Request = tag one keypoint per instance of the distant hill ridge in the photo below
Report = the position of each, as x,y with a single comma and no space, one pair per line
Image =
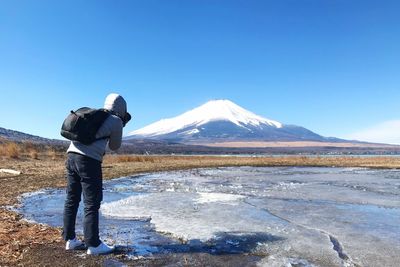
17,136
153,146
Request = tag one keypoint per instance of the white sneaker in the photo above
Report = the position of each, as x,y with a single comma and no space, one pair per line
74,244
100,249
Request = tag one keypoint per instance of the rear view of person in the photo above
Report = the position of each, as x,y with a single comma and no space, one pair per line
84,176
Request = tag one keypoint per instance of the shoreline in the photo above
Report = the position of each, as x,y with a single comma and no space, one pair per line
34,244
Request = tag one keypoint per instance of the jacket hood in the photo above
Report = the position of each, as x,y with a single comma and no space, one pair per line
116,104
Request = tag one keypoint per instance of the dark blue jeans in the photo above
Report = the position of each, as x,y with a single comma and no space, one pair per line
84,175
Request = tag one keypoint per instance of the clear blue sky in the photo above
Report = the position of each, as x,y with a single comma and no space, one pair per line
332,66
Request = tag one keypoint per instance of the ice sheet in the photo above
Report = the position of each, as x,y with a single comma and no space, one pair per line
293,216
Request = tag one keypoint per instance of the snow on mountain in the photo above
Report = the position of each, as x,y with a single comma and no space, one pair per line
214,110
220,121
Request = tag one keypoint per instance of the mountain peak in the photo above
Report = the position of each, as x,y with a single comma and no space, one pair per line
220,102
226,110
213,110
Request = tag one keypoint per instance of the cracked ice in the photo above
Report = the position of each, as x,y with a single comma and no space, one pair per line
293,216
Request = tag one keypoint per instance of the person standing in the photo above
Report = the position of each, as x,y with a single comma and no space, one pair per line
84,177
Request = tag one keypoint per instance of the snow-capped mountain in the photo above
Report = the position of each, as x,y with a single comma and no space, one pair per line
222,120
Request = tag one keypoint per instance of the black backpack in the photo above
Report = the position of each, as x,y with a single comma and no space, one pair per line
82,125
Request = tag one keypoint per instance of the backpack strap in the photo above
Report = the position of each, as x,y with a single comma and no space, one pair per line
109,113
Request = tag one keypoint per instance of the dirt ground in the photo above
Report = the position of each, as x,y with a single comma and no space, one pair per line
26,244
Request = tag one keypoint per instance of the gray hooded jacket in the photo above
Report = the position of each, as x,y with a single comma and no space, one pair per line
111,127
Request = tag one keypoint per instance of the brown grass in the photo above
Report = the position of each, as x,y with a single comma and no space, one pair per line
52,154
23,150
128,158
10,150
34,154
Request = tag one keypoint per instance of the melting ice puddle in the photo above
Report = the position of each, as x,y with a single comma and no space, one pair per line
292,216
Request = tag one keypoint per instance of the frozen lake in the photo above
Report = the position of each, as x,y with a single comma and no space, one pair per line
287,216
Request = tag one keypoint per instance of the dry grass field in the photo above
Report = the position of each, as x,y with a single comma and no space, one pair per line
26,244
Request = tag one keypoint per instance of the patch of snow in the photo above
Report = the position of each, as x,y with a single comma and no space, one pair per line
218,197
35,193
10,171
287,185
274,261
194,131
